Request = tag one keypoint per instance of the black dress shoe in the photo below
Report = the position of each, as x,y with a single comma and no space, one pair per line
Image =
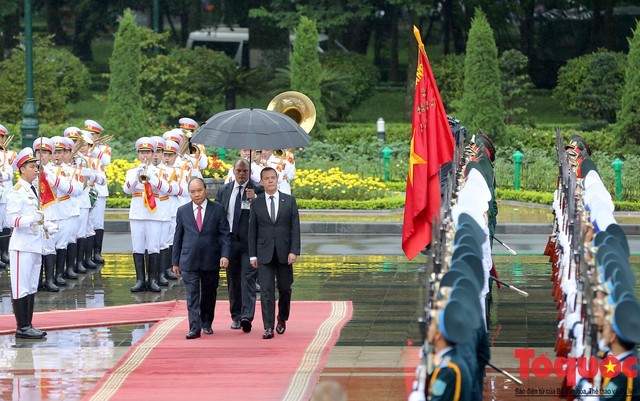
193,334
268,333
235,325
281,327
207,330
246,325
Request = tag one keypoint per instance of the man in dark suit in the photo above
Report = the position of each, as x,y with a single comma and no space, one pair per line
236,198
201,246
274,245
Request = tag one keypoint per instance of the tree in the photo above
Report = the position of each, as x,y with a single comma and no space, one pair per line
124,114
306,69
60,77
591,85
627,129
515,85
482,106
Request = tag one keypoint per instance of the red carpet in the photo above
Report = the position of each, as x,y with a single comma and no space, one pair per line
229,365
82,318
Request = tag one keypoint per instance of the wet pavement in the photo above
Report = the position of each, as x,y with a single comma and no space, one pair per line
374,358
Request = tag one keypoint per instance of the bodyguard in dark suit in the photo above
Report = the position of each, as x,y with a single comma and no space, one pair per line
201,246
274,245
236,198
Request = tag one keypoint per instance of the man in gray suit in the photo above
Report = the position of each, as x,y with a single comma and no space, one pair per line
201,246
274,245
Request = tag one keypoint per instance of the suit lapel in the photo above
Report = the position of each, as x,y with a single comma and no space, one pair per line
190,216
207,213
280,207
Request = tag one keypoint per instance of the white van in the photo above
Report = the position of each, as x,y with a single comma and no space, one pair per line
234,42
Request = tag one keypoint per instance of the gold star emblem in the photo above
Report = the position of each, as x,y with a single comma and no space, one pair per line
414,158
610,367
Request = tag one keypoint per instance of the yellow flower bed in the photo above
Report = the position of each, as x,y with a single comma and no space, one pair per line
117,170
336,185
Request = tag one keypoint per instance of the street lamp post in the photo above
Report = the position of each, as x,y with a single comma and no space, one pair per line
29,127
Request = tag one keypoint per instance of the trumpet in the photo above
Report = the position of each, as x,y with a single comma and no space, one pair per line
143,177
279,153
82,140
7,141
103,140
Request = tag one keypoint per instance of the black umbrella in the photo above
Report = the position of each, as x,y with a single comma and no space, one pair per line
251,129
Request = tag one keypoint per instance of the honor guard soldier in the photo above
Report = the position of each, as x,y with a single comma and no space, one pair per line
450,325
101,152
67,192
149,209
7,156
27,241
177,177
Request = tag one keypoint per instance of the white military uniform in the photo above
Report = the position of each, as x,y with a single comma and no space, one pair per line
286,172
27,239
146,224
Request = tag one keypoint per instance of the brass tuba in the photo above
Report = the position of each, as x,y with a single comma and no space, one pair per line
297,106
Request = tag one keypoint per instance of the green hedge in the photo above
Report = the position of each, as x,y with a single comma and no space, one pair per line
391,202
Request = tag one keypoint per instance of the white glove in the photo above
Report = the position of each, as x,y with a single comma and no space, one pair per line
94,152
38,217
51,227
88,174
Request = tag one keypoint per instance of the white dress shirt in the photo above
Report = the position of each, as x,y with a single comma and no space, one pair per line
195,210
276,202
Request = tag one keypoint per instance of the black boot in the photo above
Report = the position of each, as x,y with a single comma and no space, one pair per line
61,258
88,250
81,243
31,299
23,327
152,269
72,251
97,247
41,275
49,276
169,267
4,245
162,280
138,262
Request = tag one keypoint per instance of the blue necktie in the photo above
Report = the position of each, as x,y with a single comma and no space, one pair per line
237,209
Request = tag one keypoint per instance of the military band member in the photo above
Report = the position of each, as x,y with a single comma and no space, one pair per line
66,190
43,148
6,183
286,170
149,209
25,246
70,230
89,177
102,153
199,161
176,200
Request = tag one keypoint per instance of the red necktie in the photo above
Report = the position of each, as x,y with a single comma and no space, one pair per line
199,218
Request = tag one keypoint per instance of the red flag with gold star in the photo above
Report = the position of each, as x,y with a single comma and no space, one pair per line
47,196
431,146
